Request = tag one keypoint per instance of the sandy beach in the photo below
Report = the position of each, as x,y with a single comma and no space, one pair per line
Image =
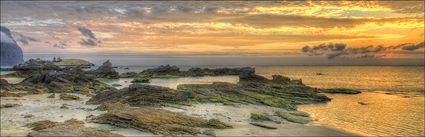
43,108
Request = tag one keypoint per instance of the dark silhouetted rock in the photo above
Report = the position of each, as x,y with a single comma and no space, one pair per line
106,71
36,64
280,78
247,73
10,53
164,69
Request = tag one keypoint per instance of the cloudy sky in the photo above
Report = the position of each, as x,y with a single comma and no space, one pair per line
328,30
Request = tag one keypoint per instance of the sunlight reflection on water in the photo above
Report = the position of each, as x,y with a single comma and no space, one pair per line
385,114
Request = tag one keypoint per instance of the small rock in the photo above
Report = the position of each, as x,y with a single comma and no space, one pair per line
51,96
263,126
362,103
9,105
116,85
64,106
28,116
209,132
64,96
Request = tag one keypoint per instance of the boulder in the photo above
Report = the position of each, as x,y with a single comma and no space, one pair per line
106,71
10,52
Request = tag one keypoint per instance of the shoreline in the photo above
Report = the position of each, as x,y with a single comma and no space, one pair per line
49,109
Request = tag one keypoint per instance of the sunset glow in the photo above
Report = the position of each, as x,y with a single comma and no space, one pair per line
223,28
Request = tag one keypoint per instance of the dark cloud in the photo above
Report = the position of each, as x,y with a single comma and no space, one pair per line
323,48
413,47
25,40
60,45
90,39
332,50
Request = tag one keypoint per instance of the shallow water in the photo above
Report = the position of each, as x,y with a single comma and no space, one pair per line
385,114
174,82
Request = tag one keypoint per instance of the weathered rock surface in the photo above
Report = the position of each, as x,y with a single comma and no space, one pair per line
340,91
254,89
10,53
64,96
139,95
36,64
163,69
157,121
70,80
278,92
247,73
169,71
9,105
106,71
70,127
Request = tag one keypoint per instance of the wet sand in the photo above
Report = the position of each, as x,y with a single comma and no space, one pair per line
239,117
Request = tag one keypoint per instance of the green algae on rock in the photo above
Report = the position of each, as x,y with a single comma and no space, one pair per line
293,117
168,71
70,127
140,95
157,121
68,80
260,117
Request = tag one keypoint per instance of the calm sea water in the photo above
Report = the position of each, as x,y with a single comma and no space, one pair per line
369,78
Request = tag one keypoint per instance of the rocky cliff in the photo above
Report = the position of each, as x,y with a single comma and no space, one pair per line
11,53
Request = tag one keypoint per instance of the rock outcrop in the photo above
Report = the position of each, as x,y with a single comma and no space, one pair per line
10,53
157,121
106,71
70,80
163,69
140,95
36,64
70,127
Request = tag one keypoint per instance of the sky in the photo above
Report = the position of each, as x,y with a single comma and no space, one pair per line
326,30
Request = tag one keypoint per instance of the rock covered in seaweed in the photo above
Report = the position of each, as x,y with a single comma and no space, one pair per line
157,121
70,80
140,94
163,69
36,64
70,127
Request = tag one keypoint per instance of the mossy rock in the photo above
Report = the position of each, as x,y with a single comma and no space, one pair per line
260,117
215,123
293,117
